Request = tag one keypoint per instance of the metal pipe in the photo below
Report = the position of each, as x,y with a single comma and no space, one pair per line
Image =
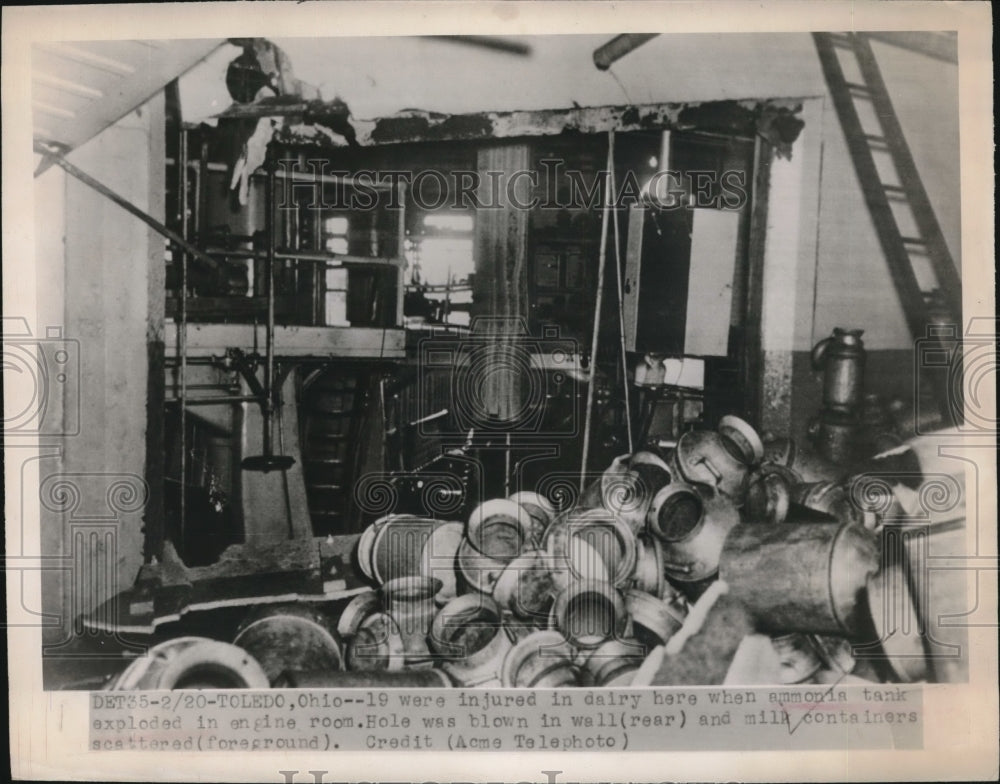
619,46
212,401
621,314
182,341
126,205
268,407
602,258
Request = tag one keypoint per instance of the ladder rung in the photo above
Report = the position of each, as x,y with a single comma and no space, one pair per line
858,88
894,188
913,240
331,488
880,141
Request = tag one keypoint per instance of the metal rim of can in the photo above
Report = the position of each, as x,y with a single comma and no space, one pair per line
650,563
665,499
507,589
560,616
509,514
530,501
391,643
614,660
652,613
440,552
234,663
744,436
458,613
621,572
567,558
424,525
518,656
479,571
366,543
356,611
905,652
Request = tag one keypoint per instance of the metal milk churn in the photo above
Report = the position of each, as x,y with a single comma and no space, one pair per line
841,357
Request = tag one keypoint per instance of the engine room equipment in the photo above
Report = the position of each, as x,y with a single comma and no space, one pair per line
268,461
193,663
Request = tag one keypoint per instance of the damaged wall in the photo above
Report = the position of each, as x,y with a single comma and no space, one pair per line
101,271
448,78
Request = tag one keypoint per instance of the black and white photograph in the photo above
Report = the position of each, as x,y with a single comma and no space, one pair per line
379,379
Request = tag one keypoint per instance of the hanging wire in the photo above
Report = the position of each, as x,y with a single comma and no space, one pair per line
621,311
588,419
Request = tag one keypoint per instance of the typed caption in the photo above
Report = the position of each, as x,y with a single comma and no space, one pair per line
699,718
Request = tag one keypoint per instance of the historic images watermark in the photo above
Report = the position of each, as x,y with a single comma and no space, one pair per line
552,186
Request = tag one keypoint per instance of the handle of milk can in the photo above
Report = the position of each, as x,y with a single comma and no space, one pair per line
819,352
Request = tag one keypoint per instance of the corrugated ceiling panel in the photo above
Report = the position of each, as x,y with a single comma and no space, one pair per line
79,88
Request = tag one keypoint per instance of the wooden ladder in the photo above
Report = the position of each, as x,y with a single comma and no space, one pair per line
922,269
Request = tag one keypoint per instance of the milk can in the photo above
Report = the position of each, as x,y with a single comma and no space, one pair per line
841,357
802,578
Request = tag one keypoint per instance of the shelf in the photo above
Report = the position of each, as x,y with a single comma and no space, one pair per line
212,340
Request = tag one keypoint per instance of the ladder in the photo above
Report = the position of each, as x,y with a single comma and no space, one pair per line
920,263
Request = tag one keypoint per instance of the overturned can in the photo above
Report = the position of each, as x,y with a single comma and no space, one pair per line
769,494
540,512
398,547
649,575
599,532
614,662
692,525
798,659
410,602
543,659
468,635
802,577
440,558
831,498
499,529
290,637
192,663
376,645
589,612
654,620
477,572
526,587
